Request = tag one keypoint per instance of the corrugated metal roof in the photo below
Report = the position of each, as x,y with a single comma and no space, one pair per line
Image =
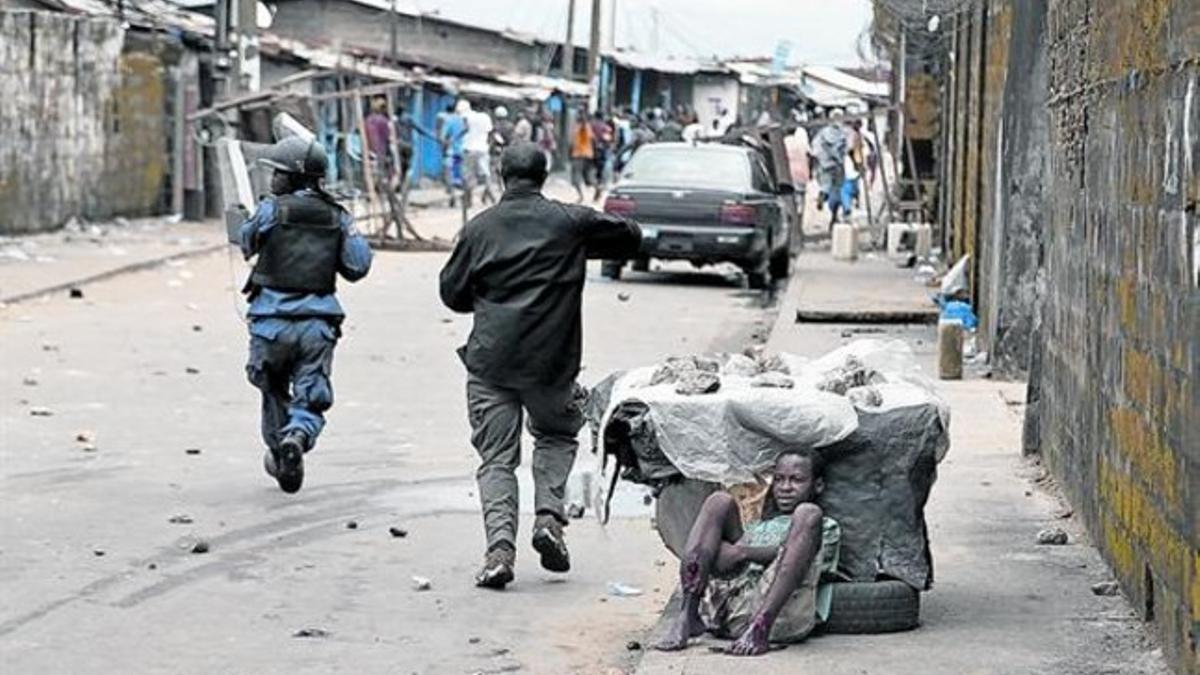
663,64
846,82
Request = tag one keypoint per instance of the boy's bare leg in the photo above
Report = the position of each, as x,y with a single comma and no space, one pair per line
709,547
795,559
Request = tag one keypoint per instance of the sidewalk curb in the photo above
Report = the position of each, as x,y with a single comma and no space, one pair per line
139,266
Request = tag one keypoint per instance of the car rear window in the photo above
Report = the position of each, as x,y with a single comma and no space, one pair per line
686,167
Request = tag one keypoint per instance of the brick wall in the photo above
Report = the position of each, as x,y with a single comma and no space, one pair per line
82,129
1120,330
1072,172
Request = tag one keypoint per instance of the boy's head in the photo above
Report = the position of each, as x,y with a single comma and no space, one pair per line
796,479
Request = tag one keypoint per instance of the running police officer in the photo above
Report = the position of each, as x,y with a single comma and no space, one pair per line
520,267
303,240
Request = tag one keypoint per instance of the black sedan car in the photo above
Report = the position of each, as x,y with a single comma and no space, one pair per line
707,203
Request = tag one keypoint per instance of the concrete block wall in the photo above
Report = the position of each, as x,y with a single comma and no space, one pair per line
1120,329
82,128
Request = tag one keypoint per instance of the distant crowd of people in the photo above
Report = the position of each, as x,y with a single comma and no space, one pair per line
598,145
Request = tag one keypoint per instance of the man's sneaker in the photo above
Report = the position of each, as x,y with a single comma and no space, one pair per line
289,471
497,569
548,541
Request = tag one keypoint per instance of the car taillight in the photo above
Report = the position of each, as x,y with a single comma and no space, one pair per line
620,206
737,214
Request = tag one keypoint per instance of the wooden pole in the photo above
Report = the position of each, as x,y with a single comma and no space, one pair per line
368,178
568,55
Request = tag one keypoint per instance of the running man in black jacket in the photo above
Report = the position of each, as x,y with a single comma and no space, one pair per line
520,267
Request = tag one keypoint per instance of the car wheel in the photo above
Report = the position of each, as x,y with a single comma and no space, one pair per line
873,607
611,269
641,265
781,264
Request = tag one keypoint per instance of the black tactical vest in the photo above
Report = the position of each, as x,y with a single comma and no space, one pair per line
301,252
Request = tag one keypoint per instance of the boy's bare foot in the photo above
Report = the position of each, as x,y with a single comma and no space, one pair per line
686,625
754,641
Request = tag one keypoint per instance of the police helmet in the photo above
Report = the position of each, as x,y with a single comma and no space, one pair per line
296,155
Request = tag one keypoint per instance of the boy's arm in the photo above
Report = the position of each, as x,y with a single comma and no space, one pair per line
355,257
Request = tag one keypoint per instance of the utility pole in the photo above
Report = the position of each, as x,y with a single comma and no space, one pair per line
245,20
568,51
612,26
594,47
394,46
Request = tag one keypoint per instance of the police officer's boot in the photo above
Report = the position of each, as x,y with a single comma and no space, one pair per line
289,465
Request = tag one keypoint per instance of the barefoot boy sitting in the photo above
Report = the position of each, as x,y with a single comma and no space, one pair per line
760,583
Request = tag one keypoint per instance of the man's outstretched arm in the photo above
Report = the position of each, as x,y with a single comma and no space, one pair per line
610,237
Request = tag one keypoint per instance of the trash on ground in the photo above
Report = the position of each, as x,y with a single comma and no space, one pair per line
98,552
623,297
180,519
192,451
633,646
85,436
351,525
200,547
41,411
29,382
191,370
1106,588
397,532
1052,536
621,590
422,583
311,633
76,293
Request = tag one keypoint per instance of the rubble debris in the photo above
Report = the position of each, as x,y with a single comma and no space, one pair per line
675,367
47,347
422,583
180,519
397,532
200,547
865,397
88,447
1052,536
351,524
29,382
191,370
192,451
618,589
773,380
698,382
740,365
849,375
76,293
41,411
98,552
311,633
85,436
1106,588
623,297
152,566
633,646
473,640
196,328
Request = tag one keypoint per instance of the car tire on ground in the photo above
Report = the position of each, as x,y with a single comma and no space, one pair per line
873,607
641,265
611,269
781,264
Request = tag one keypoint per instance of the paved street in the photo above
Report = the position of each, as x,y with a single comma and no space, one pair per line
148,368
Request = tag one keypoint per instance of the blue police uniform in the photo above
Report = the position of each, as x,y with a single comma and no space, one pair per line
295,326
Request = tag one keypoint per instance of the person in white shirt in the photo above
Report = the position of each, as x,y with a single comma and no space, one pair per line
477,150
